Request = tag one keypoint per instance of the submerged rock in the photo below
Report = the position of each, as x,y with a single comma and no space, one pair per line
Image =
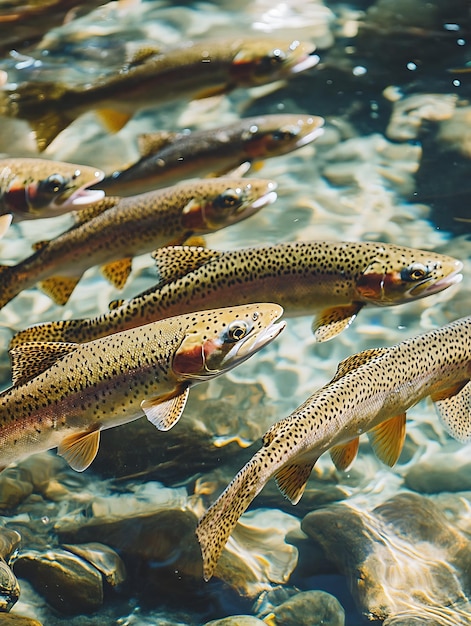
106,560
387,573
9,587
67,582
236,620
11,619
308,608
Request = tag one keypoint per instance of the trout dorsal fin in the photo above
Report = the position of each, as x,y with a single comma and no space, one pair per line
28,360
136,54
356,360
150,143
454,408
173,262
91,211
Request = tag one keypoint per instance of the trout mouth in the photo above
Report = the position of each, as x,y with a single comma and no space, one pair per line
431,286
253,343
83,196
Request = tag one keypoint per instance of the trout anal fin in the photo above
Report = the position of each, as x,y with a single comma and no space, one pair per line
387,439
344,454
117,272
80,449
164,414
454,409
59,288
291,480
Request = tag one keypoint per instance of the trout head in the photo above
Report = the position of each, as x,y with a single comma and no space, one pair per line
263,61
221,202
42,188
401,275
279,134
218,340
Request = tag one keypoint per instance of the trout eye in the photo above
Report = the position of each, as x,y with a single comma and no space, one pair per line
271,61
284,134
236,330
414,272
228,199
52,184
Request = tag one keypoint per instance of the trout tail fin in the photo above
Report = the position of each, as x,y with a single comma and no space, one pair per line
9,287
217,523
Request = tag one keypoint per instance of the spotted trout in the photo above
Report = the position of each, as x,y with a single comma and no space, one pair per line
168,157
154,76
64,394
370,392
335,279
111,232
36,188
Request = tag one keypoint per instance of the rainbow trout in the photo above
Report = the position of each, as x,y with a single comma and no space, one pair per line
169,157
370,392
114,230
64,394
36,188
152,77
337,279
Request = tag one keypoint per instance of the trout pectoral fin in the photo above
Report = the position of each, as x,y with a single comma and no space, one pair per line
113,120
343,455
5,221
292,479
117,272
173,262
334,320
59,288
455,411
93,210
387,439
165,414
80,449
31,359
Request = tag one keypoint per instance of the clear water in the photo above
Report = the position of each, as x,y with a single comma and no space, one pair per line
376,174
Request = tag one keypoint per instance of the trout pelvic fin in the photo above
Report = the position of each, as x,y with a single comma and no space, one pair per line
59,288
113,120
28,360
344,454
174,262
117,272
334,320
164,414
387,439
80,449
291,480
454,409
